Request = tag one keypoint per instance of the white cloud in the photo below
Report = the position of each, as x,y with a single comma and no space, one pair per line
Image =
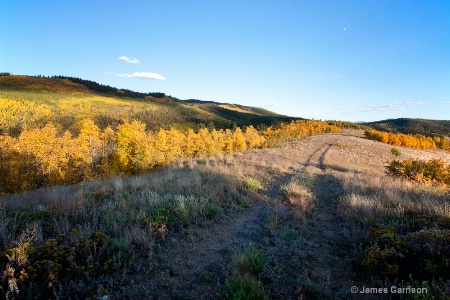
142,75
334,77
444,102
130,60
386,107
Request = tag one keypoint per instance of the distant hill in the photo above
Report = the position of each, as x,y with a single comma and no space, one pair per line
413,126
30,101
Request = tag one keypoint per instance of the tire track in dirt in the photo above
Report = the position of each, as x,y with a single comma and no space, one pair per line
322,273
325,271
325,231
317,158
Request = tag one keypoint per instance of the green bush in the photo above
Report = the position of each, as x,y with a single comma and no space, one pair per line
160,218
396,152
251,184
211,211
250,261
244,288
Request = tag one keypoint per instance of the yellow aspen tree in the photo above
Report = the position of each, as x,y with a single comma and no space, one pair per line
89,147
66,158
40,146
253,138
218,138
394,140
108,144
270,136
132,148
161,147
191,144
175,140
228,141
239,140
206,143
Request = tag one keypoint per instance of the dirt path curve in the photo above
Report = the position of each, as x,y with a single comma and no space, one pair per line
316,159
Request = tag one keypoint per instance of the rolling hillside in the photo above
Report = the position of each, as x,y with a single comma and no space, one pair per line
414,126
29,101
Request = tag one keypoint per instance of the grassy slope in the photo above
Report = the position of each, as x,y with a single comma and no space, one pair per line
70,102
414,126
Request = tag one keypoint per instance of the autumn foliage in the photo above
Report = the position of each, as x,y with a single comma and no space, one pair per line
46,156
434,171
415,141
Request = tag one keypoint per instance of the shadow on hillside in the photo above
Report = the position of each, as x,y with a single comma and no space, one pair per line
328,188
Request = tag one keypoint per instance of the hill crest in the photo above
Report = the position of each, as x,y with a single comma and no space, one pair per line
67,100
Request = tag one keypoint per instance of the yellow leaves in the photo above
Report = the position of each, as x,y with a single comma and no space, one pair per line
434,171
47,156
108,138
408,140
132,148
22,114
206,143
253,138
239,140
296,130
228,141
218,140
25,110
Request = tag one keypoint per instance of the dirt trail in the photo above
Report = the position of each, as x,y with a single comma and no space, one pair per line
196,265
319,269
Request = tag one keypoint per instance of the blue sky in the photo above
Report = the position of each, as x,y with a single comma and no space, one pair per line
345,60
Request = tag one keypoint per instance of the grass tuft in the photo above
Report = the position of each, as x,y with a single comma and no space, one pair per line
249,262
251,184
244,288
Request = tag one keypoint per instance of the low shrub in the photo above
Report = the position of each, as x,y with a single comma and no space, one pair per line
211,211
434,171
62,266
244,288
251,184
424,254
250,261
396,152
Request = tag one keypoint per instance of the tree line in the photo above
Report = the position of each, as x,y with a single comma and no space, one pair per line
408,140
45,156
106,89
